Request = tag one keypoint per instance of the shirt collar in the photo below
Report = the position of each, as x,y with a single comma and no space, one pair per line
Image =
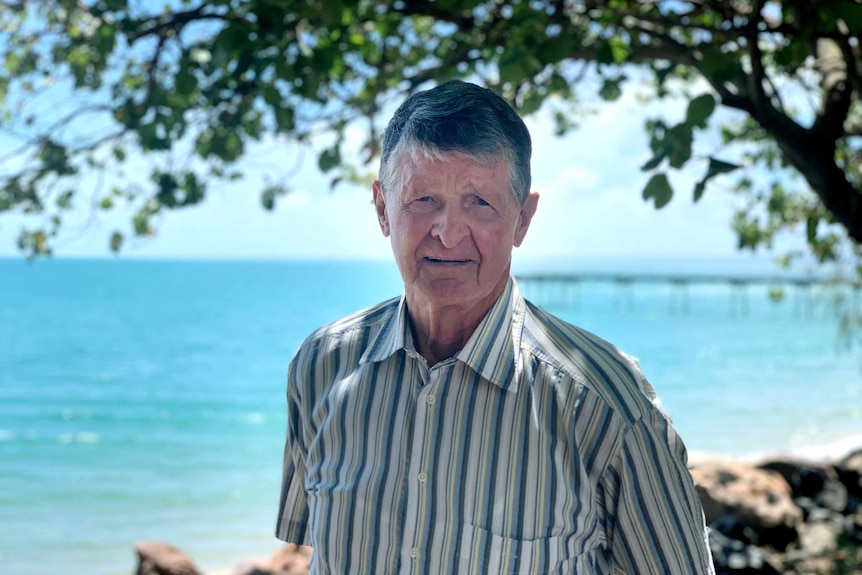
493,351
394,334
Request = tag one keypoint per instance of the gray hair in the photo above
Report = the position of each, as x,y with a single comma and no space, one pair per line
458,117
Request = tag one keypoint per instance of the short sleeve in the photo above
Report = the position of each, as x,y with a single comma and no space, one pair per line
292,522
654,520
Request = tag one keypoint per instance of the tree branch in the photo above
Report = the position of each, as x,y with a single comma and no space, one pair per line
430,9
755,79
172,22
837,89
38,139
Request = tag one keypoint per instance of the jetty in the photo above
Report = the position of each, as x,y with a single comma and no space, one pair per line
562,289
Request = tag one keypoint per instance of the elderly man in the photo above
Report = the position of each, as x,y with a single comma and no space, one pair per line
459,428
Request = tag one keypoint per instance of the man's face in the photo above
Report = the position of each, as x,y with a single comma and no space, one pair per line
452,224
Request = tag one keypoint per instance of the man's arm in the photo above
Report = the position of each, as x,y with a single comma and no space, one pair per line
292,521
654,519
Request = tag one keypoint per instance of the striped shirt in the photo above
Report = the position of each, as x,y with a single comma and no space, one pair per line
537,449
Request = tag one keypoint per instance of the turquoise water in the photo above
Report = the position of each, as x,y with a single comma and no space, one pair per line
144,400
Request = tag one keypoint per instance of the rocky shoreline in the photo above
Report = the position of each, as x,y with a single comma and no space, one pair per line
781,515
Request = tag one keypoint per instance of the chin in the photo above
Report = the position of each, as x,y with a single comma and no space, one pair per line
449,291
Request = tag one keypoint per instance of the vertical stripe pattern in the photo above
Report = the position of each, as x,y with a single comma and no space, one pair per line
537,449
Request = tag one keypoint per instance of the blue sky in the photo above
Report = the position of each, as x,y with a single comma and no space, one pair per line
590,206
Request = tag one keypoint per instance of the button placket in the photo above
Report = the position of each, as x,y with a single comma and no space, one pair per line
418,493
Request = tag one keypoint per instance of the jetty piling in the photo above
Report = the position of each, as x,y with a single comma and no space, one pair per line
563,290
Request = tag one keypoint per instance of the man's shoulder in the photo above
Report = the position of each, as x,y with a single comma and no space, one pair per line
365,319
591,362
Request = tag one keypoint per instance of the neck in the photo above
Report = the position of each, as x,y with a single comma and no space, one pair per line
441,333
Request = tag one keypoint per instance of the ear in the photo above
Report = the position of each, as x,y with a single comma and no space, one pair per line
528,209
380,206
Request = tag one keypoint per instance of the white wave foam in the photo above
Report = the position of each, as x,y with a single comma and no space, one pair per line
82,437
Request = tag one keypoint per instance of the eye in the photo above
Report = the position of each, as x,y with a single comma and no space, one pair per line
422,204
481,202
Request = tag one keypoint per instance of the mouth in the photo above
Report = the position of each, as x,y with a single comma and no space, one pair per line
439,261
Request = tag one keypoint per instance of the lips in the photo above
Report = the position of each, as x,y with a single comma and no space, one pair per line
446,261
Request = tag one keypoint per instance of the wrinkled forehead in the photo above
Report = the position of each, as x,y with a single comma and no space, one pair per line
427,161
452,171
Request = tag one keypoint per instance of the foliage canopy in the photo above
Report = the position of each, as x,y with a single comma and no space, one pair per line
193,83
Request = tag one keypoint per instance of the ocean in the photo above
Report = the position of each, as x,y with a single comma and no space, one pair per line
144,399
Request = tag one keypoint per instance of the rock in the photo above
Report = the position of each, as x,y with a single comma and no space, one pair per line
821,538
818,546
819,483
160,558
291,559
849,470
735,557
853,527
254,566
733,527
759,498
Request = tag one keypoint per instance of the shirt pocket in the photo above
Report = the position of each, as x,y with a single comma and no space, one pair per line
482,552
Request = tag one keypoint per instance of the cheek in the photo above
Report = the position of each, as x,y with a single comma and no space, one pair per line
494,243
500,233
416,226
409,230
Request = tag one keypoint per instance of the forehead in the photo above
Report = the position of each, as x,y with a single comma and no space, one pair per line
418,171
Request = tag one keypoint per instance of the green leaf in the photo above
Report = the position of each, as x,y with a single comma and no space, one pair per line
511,70
604,54
699,189
794,53
619,50
658,189
168,186
194,191
532,102
267,199
611,89
284,118
55,157
719,66
776,294
699,110
116,242
717,167
64,200
270,194
185,82
329,159
681,139
331,12
811,228
654,161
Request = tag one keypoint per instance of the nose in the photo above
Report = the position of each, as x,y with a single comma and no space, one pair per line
450,227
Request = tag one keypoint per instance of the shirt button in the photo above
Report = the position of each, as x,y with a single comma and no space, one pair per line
414,553
430,400
422,478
